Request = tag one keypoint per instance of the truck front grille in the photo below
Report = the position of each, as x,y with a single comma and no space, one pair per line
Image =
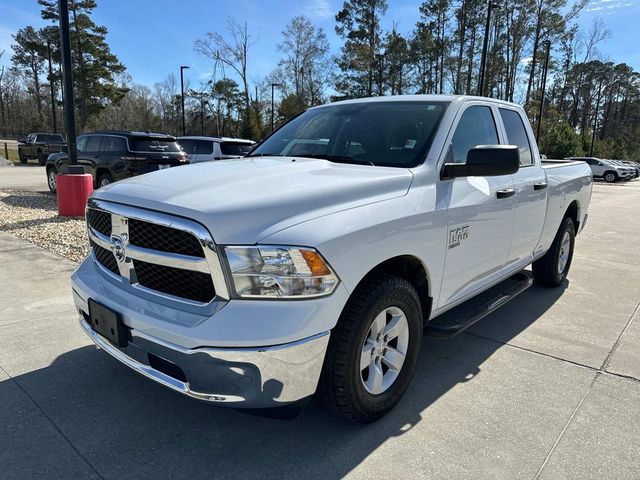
167,255
165,239
100,221
105,258
187,284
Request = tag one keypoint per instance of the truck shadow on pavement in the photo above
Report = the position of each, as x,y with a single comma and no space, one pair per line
127,426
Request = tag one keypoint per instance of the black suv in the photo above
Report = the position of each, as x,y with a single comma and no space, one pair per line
113,155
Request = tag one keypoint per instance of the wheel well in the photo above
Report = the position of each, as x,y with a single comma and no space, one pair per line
411,269
99,173
573,213
50,167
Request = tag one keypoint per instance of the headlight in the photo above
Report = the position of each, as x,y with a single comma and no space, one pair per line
279,272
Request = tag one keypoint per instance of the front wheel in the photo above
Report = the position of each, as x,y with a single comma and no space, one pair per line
373,350
610,177
552,268
51,179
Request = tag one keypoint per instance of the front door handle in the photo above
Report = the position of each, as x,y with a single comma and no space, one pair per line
540,186
505,193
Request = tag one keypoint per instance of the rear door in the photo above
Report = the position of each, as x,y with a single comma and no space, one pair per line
91,154
112,150
479,211
530,184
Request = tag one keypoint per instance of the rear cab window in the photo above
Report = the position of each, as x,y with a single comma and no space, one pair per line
517,135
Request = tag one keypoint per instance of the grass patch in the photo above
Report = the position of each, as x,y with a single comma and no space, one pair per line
13,154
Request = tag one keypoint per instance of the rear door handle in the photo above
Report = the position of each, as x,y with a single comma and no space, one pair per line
540,186
505,193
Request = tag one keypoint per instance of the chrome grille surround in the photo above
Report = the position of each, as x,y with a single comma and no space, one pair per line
120,215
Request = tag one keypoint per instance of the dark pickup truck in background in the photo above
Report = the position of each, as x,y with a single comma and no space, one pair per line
39,146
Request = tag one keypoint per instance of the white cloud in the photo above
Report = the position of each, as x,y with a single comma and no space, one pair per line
607,6
319,9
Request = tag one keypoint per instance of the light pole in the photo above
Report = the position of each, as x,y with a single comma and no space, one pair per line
547,45
54,121
491,4
182,68
595,119
273,86
70,116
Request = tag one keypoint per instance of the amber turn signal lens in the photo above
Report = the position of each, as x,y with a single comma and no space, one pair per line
315,263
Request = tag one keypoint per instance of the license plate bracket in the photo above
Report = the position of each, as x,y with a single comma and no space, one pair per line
107,323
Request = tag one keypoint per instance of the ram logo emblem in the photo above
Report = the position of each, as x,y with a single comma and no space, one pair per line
457,235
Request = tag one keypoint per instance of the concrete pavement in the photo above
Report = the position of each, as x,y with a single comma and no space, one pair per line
29,177
547,387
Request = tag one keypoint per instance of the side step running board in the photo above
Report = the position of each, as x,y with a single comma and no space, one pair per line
459,318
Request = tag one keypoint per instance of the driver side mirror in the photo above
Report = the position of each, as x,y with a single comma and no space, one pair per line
485,161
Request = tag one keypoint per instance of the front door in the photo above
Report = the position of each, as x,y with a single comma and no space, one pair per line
479,213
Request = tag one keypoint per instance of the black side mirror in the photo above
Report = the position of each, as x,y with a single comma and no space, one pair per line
485,161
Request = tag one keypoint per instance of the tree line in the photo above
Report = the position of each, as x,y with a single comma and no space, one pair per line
590,103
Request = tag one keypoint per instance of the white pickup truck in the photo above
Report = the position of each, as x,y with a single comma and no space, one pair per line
316,263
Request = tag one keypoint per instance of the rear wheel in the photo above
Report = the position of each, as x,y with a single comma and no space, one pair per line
551,270
610,177
373,350
51,179
104,180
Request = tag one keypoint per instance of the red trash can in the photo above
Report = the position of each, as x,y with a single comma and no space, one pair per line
72,192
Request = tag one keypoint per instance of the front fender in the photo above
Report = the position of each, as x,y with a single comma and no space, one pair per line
357,240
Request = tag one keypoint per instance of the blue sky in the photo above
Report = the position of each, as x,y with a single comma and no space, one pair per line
153,37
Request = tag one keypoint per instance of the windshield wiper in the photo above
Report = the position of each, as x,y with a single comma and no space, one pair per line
338,159
264,155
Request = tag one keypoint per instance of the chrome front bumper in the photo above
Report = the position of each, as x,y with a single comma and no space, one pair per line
260,377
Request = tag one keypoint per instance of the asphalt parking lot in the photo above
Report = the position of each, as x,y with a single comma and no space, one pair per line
547,387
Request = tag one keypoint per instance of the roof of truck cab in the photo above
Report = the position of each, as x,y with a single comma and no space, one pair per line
422,98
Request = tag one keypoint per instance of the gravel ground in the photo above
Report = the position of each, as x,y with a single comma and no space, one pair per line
34,216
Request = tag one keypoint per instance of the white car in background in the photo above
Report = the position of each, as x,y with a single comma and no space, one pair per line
205,149
606,169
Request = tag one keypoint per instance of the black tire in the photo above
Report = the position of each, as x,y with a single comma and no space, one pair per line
342,386
21,157
104,179
51,181
42,159
610,177
546,270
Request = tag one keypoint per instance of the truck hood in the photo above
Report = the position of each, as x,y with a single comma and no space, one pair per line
242,201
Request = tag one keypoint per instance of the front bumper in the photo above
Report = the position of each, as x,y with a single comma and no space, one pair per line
262,377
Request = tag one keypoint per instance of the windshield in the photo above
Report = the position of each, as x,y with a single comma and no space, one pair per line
393,134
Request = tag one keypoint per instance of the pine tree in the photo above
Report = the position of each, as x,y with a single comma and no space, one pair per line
95,67
358,23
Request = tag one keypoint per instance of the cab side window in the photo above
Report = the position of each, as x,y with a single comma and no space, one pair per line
113,145
517,135
93,143
204,147
476,127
